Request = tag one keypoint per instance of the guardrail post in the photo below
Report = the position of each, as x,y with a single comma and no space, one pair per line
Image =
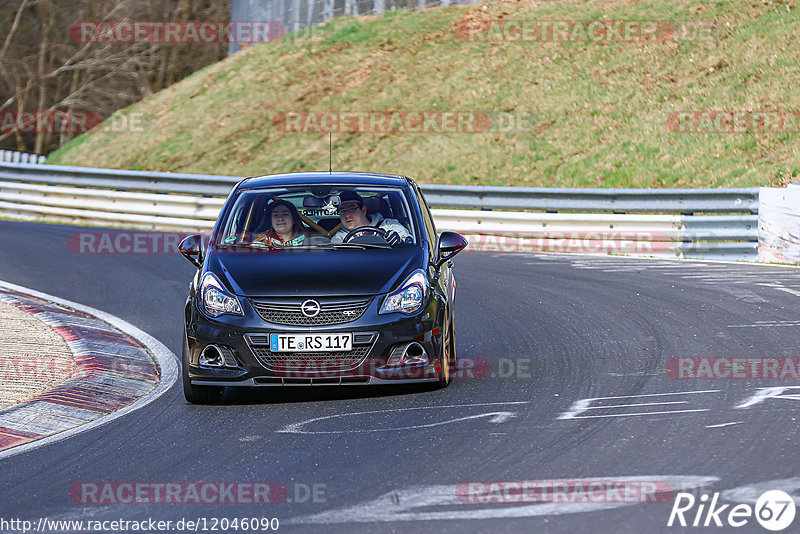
15,156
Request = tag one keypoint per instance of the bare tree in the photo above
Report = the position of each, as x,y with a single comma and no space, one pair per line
43,70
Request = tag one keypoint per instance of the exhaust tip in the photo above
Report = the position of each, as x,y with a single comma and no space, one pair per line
408,354
415,354
212,356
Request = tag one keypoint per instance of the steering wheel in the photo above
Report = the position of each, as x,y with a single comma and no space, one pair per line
364,231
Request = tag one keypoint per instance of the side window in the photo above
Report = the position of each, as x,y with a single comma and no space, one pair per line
430,228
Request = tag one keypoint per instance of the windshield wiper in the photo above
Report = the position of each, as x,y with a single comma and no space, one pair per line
247,245
318,245
359,245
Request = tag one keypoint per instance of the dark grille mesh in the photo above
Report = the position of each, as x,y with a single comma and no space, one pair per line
288,312
311,361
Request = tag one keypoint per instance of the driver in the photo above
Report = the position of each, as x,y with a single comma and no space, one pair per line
353,214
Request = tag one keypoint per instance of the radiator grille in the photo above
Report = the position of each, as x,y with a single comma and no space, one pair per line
288,311
322,363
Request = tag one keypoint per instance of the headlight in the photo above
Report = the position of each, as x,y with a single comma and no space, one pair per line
410,297
216,300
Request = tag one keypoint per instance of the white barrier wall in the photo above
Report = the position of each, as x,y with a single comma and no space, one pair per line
779,225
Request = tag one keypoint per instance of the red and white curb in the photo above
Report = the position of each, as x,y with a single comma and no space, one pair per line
119,369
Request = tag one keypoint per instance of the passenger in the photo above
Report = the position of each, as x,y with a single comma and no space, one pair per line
353,214
286,227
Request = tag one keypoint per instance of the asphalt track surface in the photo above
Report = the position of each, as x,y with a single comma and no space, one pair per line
557,329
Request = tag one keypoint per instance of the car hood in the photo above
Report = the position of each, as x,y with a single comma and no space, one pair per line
314,272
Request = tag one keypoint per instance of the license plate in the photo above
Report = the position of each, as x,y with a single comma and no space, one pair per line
310,342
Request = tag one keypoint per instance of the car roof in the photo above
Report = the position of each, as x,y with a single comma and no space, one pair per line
306,178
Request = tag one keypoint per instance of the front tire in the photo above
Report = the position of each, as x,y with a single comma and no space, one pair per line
448,356
197,394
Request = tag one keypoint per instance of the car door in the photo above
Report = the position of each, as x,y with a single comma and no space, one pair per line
444,278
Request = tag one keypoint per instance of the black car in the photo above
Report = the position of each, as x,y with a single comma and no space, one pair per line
320,279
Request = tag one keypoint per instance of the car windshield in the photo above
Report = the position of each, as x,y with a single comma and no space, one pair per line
319,216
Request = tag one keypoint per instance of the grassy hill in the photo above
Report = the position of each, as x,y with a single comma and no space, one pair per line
601,110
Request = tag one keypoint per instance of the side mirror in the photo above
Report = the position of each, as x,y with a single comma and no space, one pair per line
192,249
450,244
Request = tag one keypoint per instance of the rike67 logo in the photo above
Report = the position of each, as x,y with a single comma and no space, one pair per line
774,510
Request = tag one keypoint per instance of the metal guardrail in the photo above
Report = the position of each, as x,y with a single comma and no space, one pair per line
550,220
443,196
685,201
120,180
76,205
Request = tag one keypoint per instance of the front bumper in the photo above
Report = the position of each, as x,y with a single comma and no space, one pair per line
360,381
374,335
